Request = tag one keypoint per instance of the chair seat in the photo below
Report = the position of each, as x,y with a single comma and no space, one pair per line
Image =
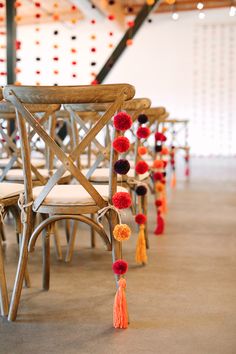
73,194
8,190
17,174
36,162
102,175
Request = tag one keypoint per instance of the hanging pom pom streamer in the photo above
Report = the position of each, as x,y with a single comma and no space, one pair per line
173,180
141,253
160,225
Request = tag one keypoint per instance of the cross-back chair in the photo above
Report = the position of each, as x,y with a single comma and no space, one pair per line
53,201
99,172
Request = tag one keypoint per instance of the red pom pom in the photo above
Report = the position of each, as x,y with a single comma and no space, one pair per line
120,267
160,137
143,132
121,200
157,176
158,203
122,121
141,167
121,144
140,219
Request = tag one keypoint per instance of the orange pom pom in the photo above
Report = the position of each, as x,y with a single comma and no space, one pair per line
165,150
121,232
158,164
159,187
142,150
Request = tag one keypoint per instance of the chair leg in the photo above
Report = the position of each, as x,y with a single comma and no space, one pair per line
67,228
46,258
4,303
70,247
2,232
54,233
92,233
20,274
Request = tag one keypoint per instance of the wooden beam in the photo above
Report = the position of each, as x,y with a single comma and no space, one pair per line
129,34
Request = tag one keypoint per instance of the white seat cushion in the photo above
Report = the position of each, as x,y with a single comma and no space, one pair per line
8,190
102,175
73,194
17,174
36,162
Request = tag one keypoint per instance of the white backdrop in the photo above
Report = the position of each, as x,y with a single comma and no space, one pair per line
189,66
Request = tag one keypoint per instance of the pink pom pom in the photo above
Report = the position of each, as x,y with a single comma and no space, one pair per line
120,267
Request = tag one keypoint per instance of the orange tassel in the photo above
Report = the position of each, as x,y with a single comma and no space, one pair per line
173,180
120,311
141,254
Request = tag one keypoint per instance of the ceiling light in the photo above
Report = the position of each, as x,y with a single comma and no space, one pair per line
201,15
175,16
200,5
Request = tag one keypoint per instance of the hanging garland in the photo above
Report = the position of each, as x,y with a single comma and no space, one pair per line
121,200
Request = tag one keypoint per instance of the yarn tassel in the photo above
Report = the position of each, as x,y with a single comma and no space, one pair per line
120,311
173,180
163,207
160,225
141,254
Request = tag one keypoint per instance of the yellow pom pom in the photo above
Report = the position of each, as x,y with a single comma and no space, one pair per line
121,232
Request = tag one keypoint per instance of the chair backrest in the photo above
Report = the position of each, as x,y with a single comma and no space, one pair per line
91,113
9,139
20,96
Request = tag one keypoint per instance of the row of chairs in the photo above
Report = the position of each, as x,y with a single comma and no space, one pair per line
60,162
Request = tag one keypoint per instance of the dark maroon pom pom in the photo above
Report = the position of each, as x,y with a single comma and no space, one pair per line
143,132
120,267
158,148
122,166
140,219
141,167
142,118
141,190
122,121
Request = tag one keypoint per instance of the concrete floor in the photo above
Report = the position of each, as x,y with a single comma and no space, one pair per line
183,301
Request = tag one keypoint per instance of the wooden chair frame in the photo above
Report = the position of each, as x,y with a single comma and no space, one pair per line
21,96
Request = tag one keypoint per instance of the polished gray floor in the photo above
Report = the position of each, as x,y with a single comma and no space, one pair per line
183,301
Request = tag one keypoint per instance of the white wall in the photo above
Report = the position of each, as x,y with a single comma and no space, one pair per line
189,66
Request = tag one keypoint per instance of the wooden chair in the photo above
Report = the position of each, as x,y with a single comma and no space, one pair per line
56,202
98,154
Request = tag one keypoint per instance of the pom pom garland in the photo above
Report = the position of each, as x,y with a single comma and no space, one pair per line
158,164
157,176
158,203
121,200
142,150
122,121
141,190
160,137
142,118
122,166
121,232
120,267
121,144
140,219
143,132
141,167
